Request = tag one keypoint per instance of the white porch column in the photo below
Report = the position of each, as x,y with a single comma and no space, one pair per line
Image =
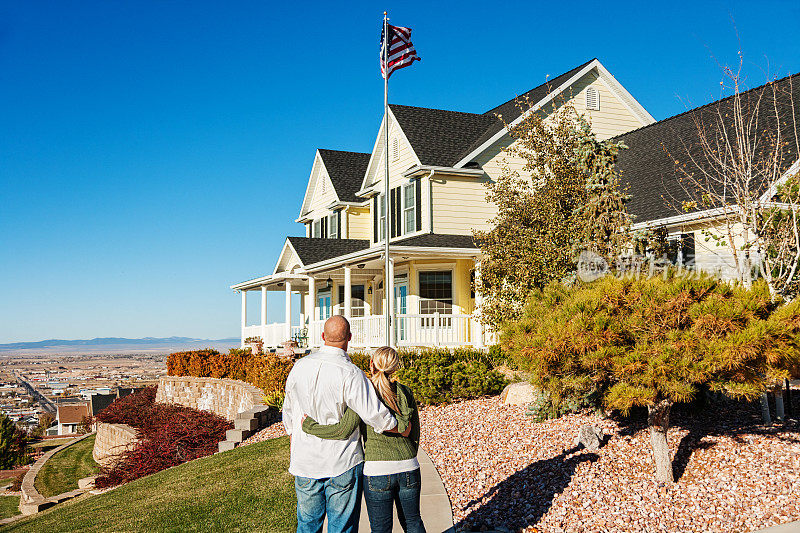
263,305
477,325
312,293
244,314
348,291
288,310
389,295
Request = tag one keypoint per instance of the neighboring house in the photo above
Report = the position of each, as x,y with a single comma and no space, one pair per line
439,164
69,416
653,171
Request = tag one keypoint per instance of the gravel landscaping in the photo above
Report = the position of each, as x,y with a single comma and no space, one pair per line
501,469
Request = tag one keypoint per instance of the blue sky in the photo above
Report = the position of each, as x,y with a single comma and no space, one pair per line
154,153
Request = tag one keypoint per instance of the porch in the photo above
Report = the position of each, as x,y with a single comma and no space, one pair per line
433,300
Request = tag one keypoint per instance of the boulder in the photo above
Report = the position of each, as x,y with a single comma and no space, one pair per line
590,437
518,394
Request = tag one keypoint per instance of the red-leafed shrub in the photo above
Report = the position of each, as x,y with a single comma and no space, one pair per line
168,435
264,370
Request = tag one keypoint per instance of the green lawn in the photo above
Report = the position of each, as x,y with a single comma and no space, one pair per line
9,506
247,489
51,443
62,471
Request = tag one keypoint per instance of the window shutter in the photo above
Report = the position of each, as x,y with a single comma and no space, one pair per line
339,224
418,203
398,210
324,227
392,202
375,218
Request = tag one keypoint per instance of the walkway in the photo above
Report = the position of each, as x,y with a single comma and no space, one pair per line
435,505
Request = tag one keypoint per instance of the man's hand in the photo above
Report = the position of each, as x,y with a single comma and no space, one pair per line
406,433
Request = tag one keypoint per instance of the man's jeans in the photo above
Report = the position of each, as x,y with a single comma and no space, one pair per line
339,497
380,495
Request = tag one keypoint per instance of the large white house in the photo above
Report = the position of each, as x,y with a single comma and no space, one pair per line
439,163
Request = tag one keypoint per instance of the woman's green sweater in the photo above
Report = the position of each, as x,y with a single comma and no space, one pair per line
377,446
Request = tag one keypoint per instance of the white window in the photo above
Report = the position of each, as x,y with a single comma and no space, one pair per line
317,228
381,217
592,99
409,208
333,226
395,149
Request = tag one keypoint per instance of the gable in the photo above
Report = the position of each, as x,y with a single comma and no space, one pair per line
319,191
405,158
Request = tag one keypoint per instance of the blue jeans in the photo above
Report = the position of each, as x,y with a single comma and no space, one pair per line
381,493
339,497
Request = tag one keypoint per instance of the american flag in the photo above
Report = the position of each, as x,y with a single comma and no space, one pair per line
401,50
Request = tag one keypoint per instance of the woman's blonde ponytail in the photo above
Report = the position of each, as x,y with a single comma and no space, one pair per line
385,363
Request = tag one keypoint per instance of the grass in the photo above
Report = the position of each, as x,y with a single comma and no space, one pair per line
247,489
6,481
9,506
51,443
62,471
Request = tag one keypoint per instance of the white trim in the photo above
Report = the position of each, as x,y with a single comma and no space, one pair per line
422,170
286,244
313,178
544,101
377,251
697,216
624,96
374,156
773,190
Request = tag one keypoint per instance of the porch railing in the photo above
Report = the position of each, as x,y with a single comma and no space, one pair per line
435,329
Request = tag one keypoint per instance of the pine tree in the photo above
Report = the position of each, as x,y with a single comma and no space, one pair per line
653,342
13,445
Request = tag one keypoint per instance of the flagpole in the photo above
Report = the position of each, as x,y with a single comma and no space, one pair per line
388,281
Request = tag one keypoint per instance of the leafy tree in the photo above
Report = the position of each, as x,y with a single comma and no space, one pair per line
13,444
653,342
565,199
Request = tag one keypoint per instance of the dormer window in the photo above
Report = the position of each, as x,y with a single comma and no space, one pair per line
316,229
592,99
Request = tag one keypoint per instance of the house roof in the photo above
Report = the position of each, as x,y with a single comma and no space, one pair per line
72,413
648,168
442,138
438,136
312,250
438,240
346,171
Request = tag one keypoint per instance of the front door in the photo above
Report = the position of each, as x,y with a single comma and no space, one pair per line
401,307
324,304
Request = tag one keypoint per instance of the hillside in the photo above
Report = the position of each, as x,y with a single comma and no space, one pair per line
116,345
247,489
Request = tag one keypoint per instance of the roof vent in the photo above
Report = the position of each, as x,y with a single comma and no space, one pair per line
395,149
592,99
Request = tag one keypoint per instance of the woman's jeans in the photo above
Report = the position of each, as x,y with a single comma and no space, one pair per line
339,497
382,492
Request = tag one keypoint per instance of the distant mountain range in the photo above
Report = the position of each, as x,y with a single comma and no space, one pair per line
117,345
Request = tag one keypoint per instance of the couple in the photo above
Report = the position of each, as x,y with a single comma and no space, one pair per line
330,408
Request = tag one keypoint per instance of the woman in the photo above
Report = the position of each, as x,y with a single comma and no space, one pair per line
391,469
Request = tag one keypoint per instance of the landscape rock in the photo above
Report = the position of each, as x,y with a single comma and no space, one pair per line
520,393
590,437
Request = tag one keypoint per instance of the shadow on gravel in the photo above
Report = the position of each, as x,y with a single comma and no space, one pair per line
715,416
537,484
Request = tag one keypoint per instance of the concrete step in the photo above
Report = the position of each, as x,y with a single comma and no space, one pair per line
248,424
226,446
237,435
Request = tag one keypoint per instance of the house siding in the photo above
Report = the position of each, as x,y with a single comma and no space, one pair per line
359,223
460,205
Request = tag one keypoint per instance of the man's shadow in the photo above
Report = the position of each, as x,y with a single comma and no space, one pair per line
537,484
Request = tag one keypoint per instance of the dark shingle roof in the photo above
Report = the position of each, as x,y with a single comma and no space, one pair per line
346,170
443,138
313,250
648,167
437,136
510,110
438,240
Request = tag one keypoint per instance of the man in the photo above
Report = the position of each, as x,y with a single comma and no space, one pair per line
328,472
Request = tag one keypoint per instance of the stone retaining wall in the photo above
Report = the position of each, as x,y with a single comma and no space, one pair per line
224,397
112,439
